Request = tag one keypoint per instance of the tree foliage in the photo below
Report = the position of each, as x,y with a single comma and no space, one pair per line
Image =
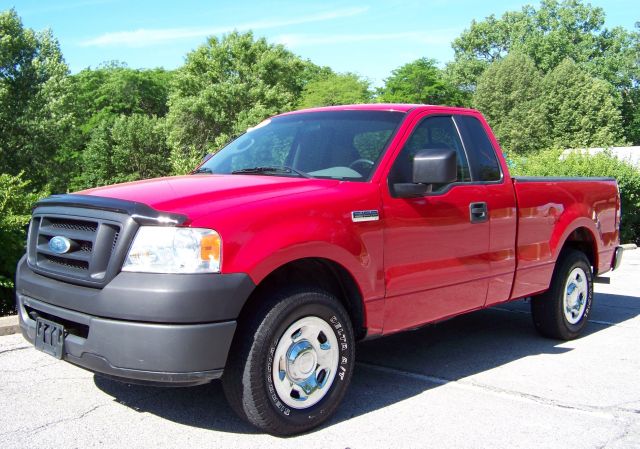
631,114
567,108
97,98
336,89
33,118
130,148
226,86
421,82
114,89
16,199
549,35
581,111
509,94
552,33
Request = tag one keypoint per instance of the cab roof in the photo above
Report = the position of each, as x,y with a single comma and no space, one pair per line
399,107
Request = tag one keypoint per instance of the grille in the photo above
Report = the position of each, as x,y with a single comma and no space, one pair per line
73,225
93,244
67,263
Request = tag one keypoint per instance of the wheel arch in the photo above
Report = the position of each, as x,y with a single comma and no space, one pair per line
581,238
319,272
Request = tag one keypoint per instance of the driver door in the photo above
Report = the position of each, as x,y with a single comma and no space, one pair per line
436,255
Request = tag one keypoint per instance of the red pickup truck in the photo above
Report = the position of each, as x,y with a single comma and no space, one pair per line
310,232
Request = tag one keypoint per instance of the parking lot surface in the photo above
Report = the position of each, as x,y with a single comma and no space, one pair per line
481,380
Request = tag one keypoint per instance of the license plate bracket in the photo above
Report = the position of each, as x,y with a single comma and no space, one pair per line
49,337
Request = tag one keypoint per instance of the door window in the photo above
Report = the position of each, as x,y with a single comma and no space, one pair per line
481,152
432,133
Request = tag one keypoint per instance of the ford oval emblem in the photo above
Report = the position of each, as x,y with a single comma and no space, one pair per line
59,244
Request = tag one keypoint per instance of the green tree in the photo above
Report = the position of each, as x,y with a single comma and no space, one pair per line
336,89
509,95
631,114
581,111
422,82
16,200
129,148
33,114
226,86
114,89
98,97
312,72
550,34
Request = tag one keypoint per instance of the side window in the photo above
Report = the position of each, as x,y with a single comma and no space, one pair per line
432,133
482,155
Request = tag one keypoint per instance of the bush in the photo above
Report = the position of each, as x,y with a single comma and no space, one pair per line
549,163
15,212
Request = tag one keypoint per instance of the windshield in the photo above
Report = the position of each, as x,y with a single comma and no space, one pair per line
330,144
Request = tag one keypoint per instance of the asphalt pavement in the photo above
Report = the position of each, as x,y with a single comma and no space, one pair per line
482,380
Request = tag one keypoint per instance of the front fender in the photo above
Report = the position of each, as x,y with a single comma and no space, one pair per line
258,238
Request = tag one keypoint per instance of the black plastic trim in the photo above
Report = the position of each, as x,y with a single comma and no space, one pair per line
141,213
102,367
473,168
558,179
114,261
445,190
617,257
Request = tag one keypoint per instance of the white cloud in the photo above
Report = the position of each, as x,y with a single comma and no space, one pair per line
434,37
147,37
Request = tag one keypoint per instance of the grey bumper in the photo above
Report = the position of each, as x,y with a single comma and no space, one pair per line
152,331
148,297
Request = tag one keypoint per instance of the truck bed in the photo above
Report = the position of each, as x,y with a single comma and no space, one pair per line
550,210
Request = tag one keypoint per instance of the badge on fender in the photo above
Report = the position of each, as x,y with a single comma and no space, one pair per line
364,215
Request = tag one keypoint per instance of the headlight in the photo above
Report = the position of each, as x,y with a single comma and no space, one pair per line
163,249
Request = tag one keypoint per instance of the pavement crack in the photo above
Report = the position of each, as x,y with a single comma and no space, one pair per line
35,430
19,348
624,433
607,412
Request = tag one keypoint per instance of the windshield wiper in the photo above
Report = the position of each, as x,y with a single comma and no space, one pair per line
271,169
202,170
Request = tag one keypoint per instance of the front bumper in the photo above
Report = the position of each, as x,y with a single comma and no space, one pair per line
134,338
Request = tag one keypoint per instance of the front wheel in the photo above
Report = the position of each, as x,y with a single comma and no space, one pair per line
562,311
291,361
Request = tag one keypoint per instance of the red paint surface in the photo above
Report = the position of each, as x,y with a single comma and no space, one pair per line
423,260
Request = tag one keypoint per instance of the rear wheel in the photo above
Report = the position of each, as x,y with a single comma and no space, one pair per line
562,311
291,361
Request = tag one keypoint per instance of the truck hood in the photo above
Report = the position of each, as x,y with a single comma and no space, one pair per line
187,194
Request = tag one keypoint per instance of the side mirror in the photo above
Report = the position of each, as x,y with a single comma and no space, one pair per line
438,166
435,167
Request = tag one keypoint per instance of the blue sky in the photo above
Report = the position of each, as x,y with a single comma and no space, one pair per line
370,38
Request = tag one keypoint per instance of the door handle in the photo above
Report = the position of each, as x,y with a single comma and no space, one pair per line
478,212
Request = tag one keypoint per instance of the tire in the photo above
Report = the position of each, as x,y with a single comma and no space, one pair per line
296,337
562,312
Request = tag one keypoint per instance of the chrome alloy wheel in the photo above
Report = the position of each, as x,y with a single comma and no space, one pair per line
305,362
576,293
